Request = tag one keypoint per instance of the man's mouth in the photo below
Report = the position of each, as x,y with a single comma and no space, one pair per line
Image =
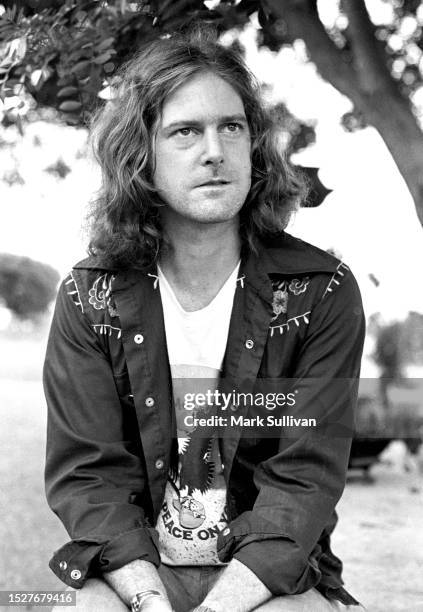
214,183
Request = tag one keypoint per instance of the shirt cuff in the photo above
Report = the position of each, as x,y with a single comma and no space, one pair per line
275,559
280,566
79,559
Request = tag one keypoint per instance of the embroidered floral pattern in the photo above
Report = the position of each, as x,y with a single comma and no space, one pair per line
72,290
103,328
297,286
280,303
280,299
302,318
340,271
101,294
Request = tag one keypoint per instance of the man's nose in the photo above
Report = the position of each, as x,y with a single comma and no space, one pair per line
213,153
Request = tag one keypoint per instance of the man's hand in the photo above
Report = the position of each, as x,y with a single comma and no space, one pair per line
137,577
156,604
238,590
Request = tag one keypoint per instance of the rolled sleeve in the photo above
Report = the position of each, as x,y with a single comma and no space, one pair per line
299,486
95,470
77,560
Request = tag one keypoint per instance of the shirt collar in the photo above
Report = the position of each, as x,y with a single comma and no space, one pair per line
279,254
284,254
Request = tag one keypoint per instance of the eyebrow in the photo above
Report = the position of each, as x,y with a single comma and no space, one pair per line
196,123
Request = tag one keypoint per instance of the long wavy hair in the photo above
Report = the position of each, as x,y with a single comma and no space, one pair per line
124,220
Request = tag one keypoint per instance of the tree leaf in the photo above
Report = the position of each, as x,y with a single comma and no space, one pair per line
105,44
83,82
103,58
81,65
65,92
70,105
72,120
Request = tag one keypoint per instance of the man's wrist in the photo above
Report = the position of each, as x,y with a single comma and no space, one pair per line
140,598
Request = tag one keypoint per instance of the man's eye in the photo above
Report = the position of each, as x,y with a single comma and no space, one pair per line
185,131
234,127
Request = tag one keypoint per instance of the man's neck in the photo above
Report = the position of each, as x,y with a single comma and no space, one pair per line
199,259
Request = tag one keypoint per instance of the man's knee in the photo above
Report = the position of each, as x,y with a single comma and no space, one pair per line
95,596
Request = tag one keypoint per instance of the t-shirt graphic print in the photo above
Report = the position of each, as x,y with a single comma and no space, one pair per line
193,511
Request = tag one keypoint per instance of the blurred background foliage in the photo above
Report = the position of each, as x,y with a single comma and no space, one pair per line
27,287
397,343
64,55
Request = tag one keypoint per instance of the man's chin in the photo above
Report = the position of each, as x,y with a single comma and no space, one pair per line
204,211
214,216
215,211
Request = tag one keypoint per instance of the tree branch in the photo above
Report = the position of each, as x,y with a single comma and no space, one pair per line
366,81
369,64
302,21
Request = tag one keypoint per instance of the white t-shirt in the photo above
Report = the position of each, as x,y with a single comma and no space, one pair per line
193,511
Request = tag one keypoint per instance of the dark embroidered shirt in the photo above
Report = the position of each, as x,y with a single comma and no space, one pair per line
297,320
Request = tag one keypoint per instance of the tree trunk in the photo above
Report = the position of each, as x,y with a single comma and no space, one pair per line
397,125
364,79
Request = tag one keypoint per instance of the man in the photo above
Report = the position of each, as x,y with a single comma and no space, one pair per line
192,298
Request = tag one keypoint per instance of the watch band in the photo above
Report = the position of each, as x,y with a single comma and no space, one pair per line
203,609
139,598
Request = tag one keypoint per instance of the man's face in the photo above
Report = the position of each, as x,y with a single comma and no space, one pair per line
202,147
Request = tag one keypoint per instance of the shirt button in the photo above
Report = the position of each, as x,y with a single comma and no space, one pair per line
63,565
249,344
138,338
75,574
226,531
149,402
159,464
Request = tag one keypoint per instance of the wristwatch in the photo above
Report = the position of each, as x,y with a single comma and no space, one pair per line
139,599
